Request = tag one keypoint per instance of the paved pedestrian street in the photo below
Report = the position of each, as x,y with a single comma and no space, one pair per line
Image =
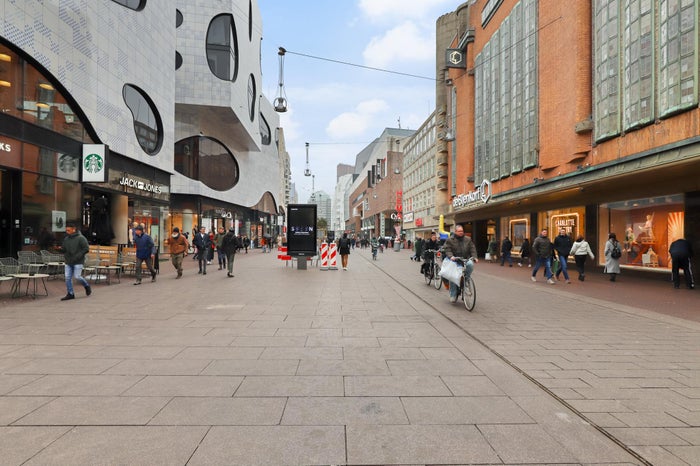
366,366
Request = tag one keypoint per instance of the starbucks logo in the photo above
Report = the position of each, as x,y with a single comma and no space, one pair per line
93,163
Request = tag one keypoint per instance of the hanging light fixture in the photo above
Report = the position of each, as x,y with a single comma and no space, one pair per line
280,102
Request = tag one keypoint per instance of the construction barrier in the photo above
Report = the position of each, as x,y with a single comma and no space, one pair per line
324,256
333,256
283,255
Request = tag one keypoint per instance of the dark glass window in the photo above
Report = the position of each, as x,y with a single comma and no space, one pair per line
265,134
251,97
222,47
137,5
148,125
207,160
178,60
178,18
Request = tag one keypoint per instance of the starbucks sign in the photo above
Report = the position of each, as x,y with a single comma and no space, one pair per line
94,163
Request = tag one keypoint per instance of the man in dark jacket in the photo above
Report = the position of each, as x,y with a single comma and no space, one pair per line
145,251
506,248
681,253
203,244
542,249
75,247
460,246
229,245
563,244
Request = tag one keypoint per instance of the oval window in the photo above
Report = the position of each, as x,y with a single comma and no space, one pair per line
178,18
148,125
222,47
178,60
251,97
137,5
207,160
250,20
265,134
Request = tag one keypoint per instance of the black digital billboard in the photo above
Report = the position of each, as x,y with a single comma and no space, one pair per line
301,230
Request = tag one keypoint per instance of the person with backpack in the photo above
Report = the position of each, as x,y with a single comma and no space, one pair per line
612,253
344,250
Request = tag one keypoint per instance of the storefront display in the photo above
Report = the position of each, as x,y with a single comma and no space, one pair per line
646,228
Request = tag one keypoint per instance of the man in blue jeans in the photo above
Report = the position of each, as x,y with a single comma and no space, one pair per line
563,244
145,252
542,248
75,247
463,247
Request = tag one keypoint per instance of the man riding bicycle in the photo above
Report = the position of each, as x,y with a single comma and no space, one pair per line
460,246
430,245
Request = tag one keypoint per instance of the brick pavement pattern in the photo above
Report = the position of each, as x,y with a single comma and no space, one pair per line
365,366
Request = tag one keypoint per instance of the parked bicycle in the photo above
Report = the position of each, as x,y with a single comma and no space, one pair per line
431,268
467,288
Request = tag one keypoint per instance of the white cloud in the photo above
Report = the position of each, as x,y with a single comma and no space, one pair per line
397,10
353,124
405,42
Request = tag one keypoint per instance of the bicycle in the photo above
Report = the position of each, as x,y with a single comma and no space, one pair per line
467,288
431,271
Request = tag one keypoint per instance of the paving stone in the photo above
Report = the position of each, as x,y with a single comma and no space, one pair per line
433,367
418,445
159,367
95,410
9,383
136,352
218,352
252,367
213,411
525,444
320,411
464,410
157,385
395,386
76,385
271,445
302,353
16,407
132,445
648,436
471,385
64,366
291,386
18,444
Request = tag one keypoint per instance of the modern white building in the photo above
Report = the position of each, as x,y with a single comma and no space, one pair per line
324,204
161,100
340,208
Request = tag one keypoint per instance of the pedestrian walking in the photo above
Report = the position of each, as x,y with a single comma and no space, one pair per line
612,254
418,248
75,247
178,250
246,243
229,246
506,248
212,247
145,252
681,254
344,250
543,249
492,249
203,244
581,250
562,245
220,254
525,253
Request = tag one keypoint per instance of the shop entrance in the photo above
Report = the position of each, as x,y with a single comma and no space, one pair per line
10,212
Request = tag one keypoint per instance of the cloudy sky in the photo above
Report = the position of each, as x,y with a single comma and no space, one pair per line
339,109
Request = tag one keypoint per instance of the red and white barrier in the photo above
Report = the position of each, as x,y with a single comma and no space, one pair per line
333,256
324,256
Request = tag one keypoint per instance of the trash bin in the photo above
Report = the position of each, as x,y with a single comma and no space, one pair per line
397,246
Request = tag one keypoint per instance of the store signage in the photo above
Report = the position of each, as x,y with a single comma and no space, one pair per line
396,215
419,222
95,163
131,182
223,213
5,146
408,217
480,195
455,58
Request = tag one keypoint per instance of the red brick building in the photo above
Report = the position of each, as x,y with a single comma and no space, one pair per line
576,114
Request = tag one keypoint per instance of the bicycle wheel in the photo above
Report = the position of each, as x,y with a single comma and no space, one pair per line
437,280
469,293
427,274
